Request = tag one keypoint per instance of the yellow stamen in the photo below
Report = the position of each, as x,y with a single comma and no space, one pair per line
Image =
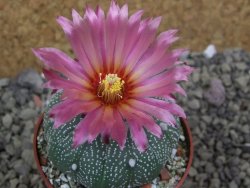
110,89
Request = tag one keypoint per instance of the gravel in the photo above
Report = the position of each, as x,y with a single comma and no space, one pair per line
217,108
18,114
220,127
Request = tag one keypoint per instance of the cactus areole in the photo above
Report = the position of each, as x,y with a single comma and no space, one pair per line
113,121
105,165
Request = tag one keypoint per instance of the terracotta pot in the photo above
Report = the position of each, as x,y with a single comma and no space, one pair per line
40,161
188,135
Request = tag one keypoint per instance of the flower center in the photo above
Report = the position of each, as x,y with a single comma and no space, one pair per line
110,89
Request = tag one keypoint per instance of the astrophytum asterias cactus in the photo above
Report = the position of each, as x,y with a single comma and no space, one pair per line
113,121
101,165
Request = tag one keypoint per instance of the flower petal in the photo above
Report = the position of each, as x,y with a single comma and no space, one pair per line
176,74
173,108
119,130
58,82
111,30
168,61
147,34
81,133
164,91
77,19
96,126
66,24
73,107
59,61
131,37
138,136
142,119
121,37
149,109
78,94
156,56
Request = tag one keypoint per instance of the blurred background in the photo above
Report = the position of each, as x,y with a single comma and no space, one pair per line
31,23
217,103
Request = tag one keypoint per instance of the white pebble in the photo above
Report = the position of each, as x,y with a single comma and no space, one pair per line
51,181
63,178
131,162
210,51
64,186
182,138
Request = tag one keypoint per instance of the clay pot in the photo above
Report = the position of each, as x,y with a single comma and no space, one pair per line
42,161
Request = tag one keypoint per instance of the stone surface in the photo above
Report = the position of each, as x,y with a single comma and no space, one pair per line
194,104
17,118
215,95
27,114
7,120
30,79
4,82
220,127
13,183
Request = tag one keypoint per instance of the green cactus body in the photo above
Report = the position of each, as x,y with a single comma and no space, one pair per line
101,165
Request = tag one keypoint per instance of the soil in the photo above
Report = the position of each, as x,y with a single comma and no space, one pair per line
27,24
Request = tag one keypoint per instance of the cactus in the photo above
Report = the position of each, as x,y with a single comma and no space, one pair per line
105,165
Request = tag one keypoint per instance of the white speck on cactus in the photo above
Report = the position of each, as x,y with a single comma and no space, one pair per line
131,162
74,166
173,153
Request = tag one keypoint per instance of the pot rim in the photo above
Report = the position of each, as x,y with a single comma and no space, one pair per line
187,133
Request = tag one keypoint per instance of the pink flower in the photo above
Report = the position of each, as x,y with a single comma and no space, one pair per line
122,66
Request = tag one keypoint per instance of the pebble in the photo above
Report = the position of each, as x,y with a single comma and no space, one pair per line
10,149
241,66
242,81
192,172
232,184
21,167
27,156
209,168
210,51
11,104
63,178
29,78
7,120
226,79
4,82
225,68
215,183
22,186
196,77
215,95
64,186
14,182
194,104
27,114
